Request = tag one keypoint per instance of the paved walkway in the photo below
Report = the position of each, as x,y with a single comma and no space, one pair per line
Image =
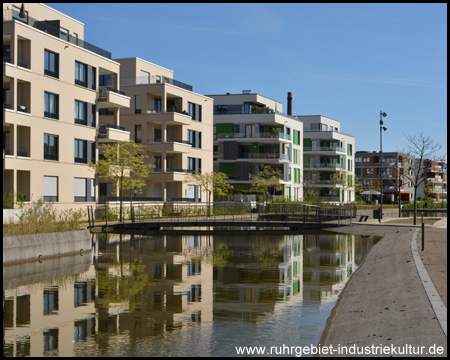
385,303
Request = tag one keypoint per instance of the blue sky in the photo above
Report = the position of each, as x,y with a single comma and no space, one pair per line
343,61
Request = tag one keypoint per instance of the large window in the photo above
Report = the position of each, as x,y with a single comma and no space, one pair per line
80,112
84,190
51,105
195,111
137,104
195,138
50,147
81,151
80,74
51,63
194,165
50,189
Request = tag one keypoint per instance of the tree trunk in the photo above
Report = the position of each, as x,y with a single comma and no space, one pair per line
121,200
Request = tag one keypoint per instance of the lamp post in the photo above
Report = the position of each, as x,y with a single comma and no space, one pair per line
382,128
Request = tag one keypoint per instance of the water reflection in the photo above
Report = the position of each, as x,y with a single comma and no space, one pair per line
178,295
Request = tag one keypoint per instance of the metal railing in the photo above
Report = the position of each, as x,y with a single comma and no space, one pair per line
189,213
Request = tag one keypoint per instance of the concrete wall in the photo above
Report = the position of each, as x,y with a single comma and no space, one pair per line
30,247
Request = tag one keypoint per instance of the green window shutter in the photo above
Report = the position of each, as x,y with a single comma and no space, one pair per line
255,148
296,137
307,143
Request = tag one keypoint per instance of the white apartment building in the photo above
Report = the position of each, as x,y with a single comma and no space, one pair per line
326,151
251,130
51,96
174,124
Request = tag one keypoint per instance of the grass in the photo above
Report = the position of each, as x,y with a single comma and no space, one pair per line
41,221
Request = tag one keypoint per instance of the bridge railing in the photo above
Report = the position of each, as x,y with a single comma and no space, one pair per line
221,211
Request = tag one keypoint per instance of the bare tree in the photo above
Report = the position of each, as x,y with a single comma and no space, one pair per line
422,147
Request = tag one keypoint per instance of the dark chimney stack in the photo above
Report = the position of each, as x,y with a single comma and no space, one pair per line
289,103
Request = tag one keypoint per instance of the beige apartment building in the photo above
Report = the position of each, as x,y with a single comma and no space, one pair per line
174,124
52,92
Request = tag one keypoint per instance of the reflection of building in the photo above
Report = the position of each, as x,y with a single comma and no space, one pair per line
170,286
32,297
256,276
329,260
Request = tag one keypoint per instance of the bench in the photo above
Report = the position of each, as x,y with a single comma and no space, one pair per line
365,217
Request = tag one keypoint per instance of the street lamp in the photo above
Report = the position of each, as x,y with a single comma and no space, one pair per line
382,128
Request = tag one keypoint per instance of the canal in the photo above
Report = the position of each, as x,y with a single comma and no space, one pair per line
179,295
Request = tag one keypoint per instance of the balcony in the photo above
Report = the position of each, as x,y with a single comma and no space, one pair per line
242,135
169,146
323,166
109,133
172,117
112,98
324,149
51,28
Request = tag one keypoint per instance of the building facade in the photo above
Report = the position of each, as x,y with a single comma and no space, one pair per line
51,97
396,167
173,123
435,180
250,130
328,152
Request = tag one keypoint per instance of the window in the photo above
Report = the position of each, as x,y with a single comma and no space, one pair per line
50,147
195,138
138,134
137,104
194,165
145,77
157,135
51,105
50,189
81,151
51,64
75,38
158,79
80,193
80,74
157,104
191,109
80,112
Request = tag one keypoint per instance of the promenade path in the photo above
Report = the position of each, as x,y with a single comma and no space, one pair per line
385,302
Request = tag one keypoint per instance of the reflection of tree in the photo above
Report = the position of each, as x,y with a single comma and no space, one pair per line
127,287
222,255
266,253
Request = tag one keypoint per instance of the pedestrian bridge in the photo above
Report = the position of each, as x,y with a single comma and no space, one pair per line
258,216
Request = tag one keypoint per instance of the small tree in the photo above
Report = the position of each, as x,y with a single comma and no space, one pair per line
125,165
421,147
310,189
266,179
213,183
345,182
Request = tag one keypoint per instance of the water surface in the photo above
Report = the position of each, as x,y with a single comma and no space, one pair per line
179,295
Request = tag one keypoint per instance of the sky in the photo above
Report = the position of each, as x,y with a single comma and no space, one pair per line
347,62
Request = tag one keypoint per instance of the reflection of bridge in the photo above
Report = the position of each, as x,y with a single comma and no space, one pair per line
259,216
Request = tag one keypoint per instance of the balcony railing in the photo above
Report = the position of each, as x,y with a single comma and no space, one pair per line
261,135
324,148
49,27
322,165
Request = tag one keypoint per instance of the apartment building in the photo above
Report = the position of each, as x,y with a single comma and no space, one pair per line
174,124
435,175
326,152
395,166
251,130
52,92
